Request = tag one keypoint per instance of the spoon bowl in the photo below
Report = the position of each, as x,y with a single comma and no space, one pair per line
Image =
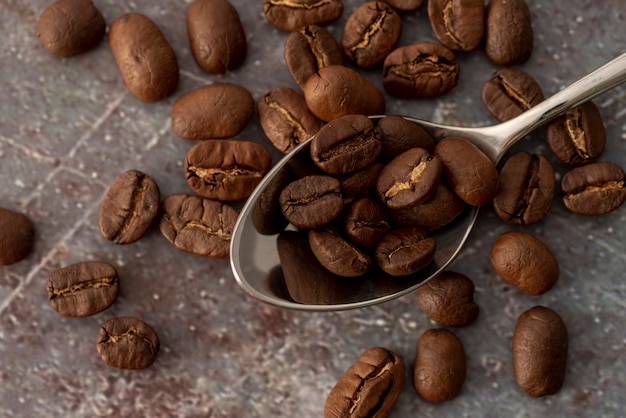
254,257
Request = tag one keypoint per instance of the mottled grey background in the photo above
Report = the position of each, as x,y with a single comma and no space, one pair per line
69,126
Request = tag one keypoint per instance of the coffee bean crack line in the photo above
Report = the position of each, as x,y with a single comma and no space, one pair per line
201,226
87,284
575,132
211,175
344,148
423,66
356,398
447,15
134,208
114,338
296,5
313,42
300,133
414,177
308,200
513,94
373,28
532,185
602,188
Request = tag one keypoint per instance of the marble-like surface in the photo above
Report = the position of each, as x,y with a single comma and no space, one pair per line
69,126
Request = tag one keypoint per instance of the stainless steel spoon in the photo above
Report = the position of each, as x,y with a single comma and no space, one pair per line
254,258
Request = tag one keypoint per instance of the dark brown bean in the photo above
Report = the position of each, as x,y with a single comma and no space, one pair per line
399,134
539,348
337,254
448,299
508,32
594,189
127,343
312,201
146,61
510,92
216,35
17,236
292,15
366,222
267,217
360,183
83,289
458,24
404,251
406,5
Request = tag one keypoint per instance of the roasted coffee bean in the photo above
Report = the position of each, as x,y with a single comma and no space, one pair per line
440,366
127,343
146,61
218,110
524,261
312,201
292,15
410,178
345,145
83,289
526,188
510,92
286,119
226,169
594,189
404,251
422,69
216,35
70,27
508,32
470,173
458,24
307,50
438,211
448,299
366,222
370,33
335,91
129,207
578,136
267,217
198,226
399,134
337,254
369,388
539,347
360,183
406,5
17,236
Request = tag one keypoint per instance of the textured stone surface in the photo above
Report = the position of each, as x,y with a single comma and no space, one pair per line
68,127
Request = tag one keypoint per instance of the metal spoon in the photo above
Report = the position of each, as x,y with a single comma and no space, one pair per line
254,258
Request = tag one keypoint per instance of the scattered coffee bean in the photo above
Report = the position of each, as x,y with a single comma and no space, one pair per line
594,189
129,207
398,134
422,69
70,27
292,15
218,110
370,33
458,24
526,188
525,262
366,222
337,254
369,388
448,299
198,226
539,347
17,236
267,217
404,251
440,366
83,289
510,92
578,136
508,32
405,5
226,169
146,61
127,343
312,201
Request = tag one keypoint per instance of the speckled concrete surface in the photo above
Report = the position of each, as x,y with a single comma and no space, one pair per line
69,126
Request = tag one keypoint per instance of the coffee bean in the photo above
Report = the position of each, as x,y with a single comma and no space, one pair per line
422,69
286,119
17,236
578,136
267,217
448,299
508,32
345,145
526,188
525,262
312,201
398,134
226,170
198,226
307,50
146,61
361,182
337,254
369,388
218,110
366,222
510,92
539,347
406,5
70,27
127,343
440,367
410,178
458,24
404,251
129,207
83,289
594,189
370,33
292,15
336,91
470,173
